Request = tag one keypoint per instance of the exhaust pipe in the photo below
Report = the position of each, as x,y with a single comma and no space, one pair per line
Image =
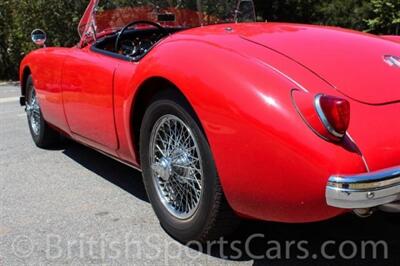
393,207
363,213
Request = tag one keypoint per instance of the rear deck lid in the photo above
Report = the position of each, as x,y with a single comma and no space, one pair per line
361,66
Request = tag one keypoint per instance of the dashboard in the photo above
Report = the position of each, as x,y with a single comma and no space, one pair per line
134,44
138,46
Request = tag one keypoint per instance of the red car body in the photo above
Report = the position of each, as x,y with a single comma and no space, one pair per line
244,82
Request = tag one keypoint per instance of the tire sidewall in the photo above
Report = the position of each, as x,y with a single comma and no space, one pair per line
191,228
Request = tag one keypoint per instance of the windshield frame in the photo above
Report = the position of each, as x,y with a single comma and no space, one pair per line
89,31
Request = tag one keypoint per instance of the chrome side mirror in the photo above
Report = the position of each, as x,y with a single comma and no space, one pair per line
39,37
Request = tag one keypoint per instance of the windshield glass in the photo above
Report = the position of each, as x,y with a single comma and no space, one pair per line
114,14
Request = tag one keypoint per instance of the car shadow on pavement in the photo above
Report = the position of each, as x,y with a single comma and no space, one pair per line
348,238
111,170
345,240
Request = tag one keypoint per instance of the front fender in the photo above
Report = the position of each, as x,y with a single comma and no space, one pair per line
46,66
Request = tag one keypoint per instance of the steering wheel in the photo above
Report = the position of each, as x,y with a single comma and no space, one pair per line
122,31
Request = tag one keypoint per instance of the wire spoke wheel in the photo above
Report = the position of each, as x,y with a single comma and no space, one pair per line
179,172
42,134
33,112
176,166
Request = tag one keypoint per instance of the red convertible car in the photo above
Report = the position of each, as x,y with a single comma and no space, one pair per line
226,117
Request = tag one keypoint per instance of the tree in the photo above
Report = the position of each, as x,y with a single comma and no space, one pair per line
301,11
5,29
60,20
385,17
342,13
19,17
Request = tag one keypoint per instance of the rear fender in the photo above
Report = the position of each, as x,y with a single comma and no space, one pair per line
271,165
394,38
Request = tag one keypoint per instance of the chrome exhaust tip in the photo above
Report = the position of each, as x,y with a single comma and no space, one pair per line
393,207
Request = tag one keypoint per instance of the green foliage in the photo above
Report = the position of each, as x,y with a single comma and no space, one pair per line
375,16
301,11
60,20
5,29
346,14
386,16
19,17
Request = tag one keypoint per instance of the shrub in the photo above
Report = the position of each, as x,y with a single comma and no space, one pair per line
60,19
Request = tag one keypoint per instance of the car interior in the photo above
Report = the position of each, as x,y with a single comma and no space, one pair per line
132,44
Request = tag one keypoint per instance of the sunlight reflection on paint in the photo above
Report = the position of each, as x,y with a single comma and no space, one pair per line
270,101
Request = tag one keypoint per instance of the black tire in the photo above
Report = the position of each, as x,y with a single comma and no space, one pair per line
213,218
45,136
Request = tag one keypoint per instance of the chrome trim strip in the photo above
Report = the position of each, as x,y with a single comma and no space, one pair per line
391,60
378,176
364,186
297,84
360,152
364,190
323,118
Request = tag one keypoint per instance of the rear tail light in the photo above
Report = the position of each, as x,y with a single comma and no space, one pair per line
334,113
328,116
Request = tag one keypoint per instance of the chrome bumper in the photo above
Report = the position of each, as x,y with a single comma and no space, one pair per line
362,191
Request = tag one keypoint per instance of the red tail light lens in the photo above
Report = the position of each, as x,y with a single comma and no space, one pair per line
334,113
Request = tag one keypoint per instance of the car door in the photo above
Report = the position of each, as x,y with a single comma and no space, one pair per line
88,97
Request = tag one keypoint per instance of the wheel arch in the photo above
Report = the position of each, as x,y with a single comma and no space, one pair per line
144,96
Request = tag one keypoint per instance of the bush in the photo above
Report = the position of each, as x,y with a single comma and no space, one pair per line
60,19
5,28
386,17
19,17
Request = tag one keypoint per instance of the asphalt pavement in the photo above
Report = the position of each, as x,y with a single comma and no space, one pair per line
73,206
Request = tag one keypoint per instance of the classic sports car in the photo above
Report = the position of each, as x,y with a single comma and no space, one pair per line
226,117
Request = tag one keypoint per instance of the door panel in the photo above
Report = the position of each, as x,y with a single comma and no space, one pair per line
88,96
